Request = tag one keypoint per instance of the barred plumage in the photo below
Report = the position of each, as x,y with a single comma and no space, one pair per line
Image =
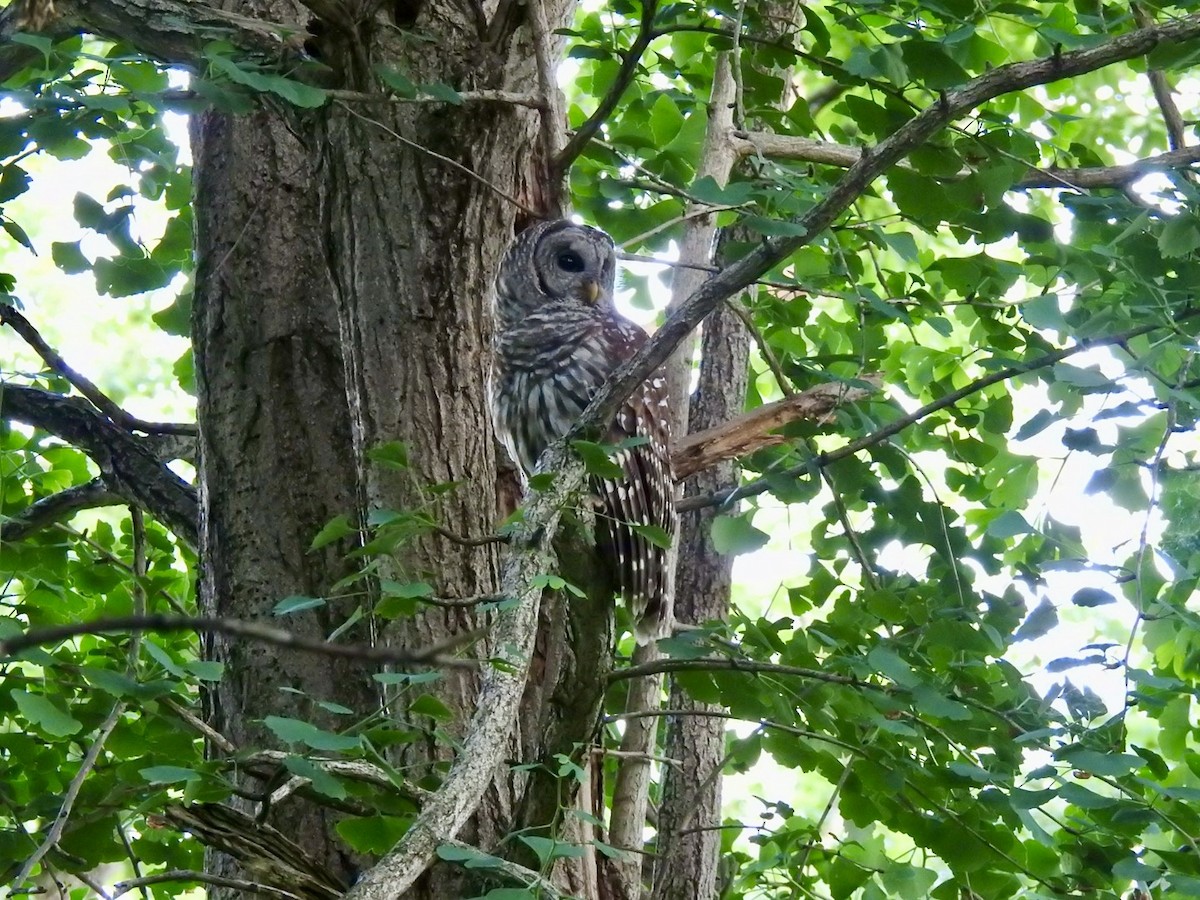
558,338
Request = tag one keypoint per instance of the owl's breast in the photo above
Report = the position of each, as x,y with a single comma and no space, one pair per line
540,389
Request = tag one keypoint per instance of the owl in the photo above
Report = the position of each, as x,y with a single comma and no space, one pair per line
558,338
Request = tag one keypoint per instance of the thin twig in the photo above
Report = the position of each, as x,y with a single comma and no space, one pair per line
433,655
246,887
214,737
72,793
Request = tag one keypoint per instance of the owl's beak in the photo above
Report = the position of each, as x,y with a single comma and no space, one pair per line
591,290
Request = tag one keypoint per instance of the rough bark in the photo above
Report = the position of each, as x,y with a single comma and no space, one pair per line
686,862
275,442
412,246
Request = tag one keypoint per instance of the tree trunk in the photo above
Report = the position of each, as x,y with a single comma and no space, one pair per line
274,435
688,844
343,301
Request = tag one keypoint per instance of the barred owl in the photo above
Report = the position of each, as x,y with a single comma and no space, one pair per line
558,339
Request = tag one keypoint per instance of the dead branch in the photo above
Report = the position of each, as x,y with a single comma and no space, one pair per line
757,428
761,485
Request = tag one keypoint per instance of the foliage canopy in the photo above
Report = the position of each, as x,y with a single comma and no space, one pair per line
1022,283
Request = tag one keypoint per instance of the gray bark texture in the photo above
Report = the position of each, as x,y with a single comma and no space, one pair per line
275,446
343,302
688,846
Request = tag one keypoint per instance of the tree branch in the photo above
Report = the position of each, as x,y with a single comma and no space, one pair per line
787,147
433,655
250,888
625,75
528,554
127,466
172,31
13,319
1176,135
754,430
534,882
57,507
727,664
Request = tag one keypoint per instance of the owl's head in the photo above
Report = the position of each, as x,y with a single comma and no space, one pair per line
560,264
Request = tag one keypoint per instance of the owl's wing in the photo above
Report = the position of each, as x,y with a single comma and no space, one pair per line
644,496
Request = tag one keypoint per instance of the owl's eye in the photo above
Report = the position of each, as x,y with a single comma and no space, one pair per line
570,261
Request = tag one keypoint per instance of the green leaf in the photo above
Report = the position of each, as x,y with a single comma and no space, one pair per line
17,233
407,591
392,454
1179,237
888,663
168,774
396,81
14,181
444,92
296,603
596,459
337,528
1090,597
1008,524
548,850
429,705
45,714
908,882
372,834
655,534
735,534
322,781
665,120
1107,764
69,257
1039,622
294,731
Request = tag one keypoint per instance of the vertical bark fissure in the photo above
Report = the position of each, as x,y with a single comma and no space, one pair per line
274,438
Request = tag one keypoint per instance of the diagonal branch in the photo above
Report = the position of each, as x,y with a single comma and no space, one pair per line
22,326
872,163
629,63
487,737
127,466
803,149
62,505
